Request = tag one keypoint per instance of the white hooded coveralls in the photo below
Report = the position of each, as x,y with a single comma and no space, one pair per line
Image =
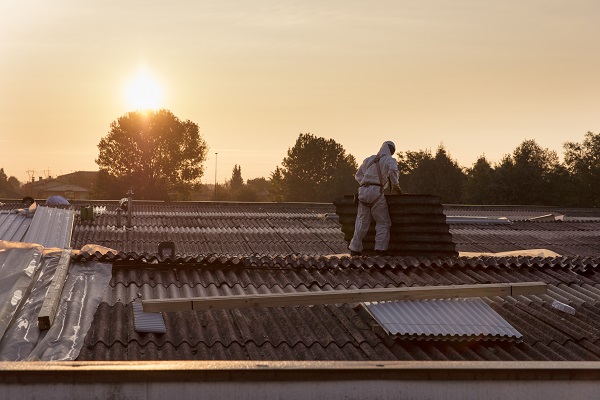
371,201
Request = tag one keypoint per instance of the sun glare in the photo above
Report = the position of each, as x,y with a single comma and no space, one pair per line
143,93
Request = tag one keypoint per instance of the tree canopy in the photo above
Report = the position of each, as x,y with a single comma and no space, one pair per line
582,160
237,182
315,169
421,172
525,176
9,186
154,153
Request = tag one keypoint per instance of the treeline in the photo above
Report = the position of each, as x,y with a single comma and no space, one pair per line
161,157
9,186
319,170
530,175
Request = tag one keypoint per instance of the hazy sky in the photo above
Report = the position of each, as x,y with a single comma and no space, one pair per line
478,76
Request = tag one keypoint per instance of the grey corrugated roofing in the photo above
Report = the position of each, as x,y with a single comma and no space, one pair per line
224,228
568,238
522,212
441,319
418,225
345,331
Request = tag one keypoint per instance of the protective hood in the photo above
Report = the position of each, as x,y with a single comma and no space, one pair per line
385,148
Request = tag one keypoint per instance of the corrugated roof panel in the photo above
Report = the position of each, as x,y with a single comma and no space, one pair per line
51,227
442,318
13,226
147,322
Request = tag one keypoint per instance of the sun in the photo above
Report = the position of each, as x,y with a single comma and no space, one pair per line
143,92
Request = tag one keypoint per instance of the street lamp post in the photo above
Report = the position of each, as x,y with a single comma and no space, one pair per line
216,157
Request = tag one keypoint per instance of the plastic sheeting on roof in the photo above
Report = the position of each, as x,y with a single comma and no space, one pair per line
51,227
26,272
13,226
513,253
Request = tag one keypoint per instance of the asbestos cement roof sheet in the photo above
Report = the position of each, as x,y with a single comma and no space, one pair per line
342,331
216,228
568,238
521,213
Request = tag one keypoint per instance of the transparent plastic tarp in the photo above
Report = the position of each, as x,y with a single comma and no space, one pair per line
25,277
18,269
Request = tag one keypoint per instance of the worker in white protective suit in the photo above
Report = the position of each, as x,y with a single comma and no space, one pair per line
376,174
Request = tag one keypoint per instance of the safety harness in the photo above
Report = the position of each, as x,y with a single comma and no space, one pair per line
380,184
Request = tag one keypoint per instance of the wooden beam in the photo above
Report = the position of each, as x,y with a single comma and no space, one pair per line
342,296
527,288
53,296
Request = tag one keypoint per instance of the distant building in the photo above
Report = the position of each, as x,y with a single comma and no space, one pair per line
73,186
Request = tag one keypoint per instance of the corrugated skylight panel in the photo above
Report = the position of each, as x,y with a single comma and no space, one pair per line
147,322
442,319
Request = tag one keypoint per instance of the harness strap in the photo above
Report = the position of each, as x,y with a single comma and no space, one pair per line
380,184
369,184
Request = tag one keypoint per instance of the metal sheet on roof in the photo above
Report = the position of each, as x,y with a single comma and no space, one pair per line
13,226
442,319
148,322
51,227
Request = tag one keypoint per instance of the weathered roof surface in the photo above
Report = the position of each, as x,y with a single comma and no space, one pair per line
521,213
343,331
418,225
245,229
223,228
567,238
235,248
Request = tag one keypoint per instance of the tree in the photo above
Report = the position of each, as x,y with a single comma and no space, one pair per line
236,183
525,177
315,169
421,172
154,153
479,187
261,187
582,160
9,186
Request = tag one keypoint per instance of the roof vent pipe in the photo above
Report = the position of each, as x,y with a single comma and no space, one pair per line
129,206
119,218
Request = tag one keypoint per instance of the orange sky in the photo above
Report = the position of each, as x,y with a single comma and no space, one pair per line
479,76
